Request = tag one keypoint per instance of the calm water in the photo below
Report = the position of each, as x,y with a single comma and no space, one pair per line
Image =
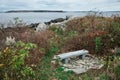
5,18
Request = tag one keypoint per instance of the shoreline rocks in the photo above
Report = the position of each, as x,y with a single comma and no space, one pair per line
60,22
42,26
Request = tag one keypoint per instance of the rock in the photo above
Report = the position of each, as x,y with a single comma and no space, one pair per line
57,20
34,25
41,27
47,23
79,70
97,78
55,57
59,24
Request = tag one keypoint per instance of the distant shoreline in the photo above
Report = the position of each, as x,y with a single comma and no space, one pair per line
17,11
59,11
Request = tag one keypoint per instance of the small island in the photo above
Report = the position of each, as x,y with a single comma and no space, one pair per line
16,11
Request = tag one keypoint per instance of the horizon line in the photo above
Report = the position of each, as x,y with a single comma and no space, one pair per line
10,11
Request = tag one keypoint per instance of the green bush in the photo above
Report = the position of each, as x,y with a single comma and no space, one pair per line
97,44
118,52
115,33
13,60
58,30
104,77
117,70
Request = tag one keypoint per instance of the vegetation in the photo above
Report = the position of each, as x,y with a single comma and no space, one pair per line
31,55
13,64
97,43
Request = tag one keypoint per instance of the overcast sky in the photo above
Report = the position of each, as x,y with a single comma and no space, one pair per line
69,5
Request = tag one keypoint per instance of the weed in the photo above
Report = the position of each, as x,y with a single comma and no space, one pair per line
118,52
58,30
104,77
18,22
97,44
117,70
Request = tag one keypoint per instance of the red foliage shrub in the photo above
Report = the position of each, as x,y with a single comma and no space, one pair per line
88,24
41,40
86,41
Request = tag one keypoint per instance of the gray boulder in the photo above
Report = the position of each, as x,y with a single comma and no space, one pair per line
41,27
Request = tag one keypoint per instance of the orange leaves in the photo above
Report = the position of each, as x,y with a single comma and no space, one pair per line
6,50
1,65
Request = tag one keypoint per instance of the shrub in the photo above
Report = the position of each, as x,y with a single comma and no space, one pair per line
118,52
58,30
13,62
117,70
97,44
114,32
83,42
104,77
88,24
17,22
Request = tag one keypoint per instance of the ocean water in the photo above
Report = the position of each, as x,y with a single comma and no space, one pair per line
37,17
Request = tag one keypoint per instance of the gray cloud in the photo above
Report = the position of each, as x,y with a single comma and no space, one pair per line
102,5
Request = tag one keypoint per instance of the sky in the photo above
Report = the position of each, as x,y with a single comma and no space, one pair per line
66,5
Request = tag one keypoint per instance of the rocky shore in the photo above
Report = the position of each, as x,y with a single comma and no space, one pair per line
15,30
51,22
